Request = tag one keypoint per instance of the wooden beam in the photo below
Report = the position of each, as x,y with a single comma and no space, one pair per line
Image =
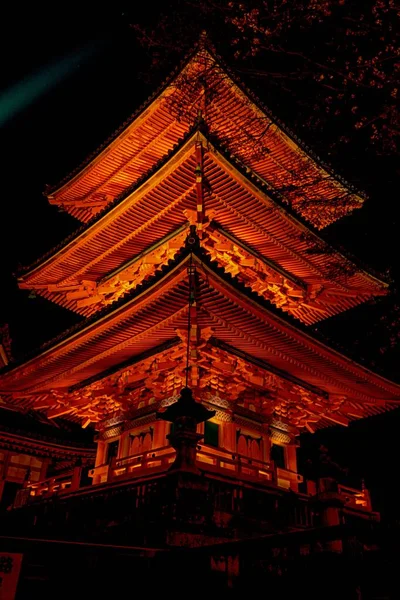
58,412
336,418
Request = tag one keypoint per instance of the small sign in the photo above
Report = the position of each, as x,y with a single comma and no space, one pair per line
10,567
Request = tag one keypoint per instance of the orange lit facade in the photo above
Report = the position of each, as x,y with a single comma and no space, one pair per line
203,160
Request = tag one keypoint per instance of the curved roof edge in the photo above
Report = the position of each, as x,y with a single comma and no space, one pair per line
204,44
236,163
287,319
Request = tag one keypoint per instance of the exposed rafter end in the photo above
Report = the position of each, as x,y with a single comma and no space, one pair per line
58,412
42,404
337,418
351,410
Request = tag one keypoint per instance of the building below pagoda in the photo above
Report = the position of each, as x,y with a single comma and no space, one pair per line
155,443
191,510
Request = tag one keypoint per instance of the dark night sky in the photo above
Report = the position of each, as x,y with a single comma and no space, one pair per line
97,60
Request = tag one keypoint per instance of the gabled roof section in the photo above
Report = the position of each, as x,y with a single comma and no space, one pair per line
246,229
155,314
245,127
37,431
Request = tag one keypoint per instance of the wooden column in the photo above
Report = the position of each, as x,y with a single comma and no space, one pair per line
100,457
123,449
229,436
76,475
6,462
267,448
43,470
284,435
330,503
291,456
160,434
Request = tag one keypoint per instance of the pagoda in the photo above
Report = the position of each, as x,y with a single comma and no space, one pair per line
200,266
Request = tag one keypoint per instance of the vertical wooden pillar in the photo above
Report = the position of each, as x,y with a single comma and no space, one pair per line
76,476
284,435
6,462
200,429
229,436
43,470
266,448
291,464
160,431
123,448
100,458
101,453
291,457
2,481
330,503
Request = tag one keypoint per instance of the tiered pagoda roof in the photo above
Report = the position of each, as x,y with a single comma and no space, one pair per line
247,350
248,232
236,117
30,432
203,155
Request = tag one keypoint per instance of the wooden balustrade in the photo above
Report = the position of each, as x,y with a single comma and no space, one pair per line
46,487
211,460
67,481
216,460
208,459
157,497
52,485
354,498
157,460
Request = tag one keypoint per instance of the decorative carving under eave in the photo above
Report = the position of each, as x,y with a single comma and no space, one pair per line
44,448
308,303
222,379
90,296
255,273
279,436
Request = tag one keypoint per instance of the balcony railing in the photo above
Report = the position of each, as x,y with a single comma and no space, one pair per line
120,509
157,460
214,461
221,461
358,499
67,481
209,459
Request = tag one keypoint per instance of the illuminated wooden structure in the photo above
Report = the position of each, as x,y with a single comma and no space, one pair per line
203,189
34,449
5,346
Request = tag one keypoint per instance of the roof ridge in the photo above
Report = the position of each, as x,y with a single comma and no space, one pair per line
287,130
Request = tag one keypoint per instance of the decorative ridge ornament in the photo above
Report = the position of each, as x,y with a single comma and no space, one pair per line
205,43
